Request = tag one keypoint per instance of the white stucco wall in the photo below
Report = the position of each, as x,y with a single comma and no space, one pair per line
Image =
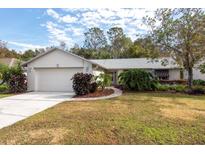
87,67
174,74
30,79
57,58
196,74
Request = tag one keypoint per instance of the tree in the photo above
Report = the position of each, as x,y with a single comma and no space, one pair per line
62,45
102,53
3,44
143,48
95,39
28,54
5,52
119,42
181,33
202,68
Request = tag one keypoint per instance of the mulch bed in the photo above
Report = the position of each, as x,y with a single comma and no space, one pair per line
98,93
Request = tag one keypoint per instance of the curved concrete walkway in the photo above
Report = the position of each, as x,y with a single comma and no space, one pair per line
116,93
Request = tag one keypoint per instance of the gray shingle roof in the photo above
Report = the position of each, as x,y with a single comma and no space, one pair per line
129,63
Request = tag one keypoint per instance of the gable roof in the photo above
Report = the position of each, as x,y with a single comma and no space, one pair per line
51,50
10,62
130,63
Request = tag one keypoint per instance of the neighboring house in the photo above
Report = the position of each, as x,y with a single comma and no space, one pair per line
164,68
10,62
53,70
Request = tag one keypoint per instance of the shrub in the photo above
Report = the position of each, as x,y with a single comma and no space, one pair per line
17,83
103,80
199,82
82,83
173,82
196,90
93,87
14,78
178,88
161,87
4,88
166,87
3,70
137,79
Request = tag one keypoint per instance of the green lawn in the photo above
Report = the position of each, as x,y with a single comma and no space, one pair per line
4,95
133,118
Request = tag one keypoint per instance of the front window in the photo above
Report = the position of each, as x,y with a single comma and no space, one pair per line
162,74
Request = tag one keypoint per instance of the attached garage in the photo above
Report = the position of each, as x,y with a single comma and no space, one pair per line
52,71
54,79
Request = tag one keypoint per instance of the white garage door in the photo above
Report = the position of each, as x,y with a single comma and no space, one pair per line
55,79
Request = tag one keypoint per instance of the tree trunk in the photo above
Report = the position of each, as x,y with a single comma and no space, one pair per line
190,77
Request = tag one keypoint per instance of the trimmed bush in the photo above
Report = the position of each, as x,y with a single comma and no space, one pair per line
82,83
178,88
93,87
17,83
173,82
166,87
162,87
138,80
199,82
196,90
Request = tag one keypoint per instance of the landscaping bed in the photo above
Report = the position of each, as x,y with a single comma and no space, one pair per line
97,93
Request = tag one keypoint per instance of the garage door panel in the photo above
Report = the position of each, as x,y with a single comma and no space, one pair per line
55,79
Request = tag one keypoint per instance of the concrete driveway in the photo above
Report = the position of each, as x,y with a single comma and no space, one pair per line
18,107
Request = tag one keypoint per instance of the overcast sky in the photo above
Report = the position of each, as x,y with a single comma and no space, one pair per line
38,28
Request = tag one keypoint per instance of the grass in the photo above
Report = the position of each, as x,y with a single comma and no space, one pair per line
133,118
5,95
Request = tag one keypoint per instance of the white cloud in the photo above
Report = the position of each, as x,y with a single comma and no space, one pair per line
57,35
59,18
68,19
70,25
75,31
25,46
125,18
53,13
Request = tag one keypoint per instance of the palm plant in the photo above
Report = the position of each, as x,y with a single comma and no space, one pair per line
137,79
103,80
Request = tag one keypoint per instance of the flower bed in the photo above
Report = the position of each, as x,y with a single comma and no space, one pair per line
97,93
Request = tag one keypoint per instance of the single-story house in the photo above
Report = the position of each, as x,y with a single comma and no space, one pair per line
53,70
163,68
